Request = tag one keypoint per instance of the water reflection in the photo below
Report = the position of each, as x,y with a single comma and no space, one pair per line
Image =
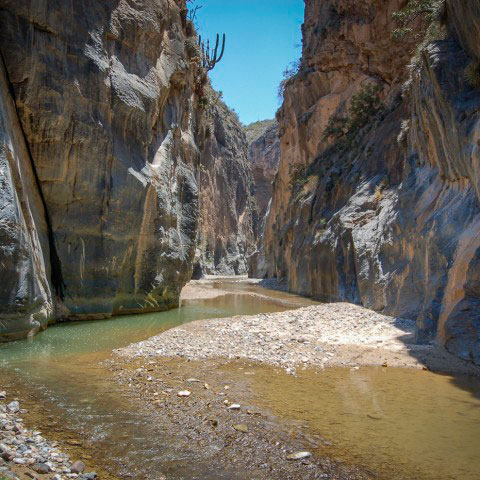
403,423
60,369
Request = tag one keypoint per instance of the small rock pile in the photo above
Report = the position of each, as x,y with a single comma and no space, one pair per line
27,454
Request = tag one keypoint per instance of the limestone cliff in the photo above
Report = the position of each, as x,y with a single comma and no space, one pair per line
228,217
25,293
101,139
263,157
377,196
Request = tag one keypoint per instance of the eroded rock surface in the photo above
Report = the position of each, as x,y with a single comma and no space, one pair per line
264,157
228,217
25,293
391,220
104,93
111,154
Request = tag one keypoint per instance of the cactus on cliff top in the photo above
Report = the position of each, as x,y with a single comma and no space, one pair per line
210,57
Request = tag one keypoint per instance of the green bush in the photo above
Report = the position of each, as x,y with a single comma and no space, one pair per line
364,106
429,10
432,13
472,74
298,177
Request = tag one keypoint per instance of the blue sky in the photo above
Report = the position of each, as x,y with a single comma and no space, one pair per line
263,37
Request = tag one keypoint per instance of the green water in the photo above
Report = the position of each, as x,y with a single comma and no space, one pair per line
60,369
402,424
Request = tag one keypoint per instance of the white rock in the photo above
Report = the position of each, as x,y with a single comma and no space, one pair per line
184,393
13,407
298,455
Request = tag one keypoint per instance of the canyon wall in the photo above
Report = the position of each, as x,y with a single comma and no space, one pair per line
264,158
380,206
228,217
103,133
25,294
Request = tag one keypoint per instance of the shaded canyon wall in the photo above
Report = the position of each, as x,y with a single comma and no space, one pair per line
102,137
228,214
387,214
264,158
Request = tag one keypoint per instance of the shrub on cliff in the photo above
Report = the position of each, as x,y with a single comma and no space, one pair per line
472,74
431,28
431,11
364,106
290,72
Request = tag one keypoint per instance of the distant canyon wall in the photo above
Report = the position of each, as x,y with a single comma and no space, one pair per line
376,200
264,158
228,215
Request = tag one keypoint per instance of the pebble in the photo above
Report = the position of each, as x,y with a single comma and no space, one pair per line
234,406
299,456
21,446
184,393
241,427
77,467
13,407
41,468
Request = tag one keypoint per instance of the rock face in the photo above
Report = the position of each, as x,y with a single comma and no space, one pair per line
101,140
386,215
264,157
228,217
25,293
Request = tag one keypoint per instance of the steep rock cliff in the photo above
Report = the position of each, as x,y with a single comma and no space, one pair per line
228,217
25,294
264,157
387,216
109,131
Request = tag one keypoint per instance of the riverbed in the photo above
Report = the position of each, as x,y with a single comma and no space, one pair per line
127,421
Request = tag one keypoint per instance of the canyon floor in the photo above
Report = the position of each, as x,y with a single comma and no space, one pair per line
262,396
197,379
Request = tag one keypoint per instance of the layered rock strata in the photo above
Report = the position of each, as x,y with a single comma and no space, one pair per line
386,216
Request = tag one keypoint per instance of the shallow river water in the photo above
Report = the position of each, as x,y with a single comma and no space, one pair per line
403,424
